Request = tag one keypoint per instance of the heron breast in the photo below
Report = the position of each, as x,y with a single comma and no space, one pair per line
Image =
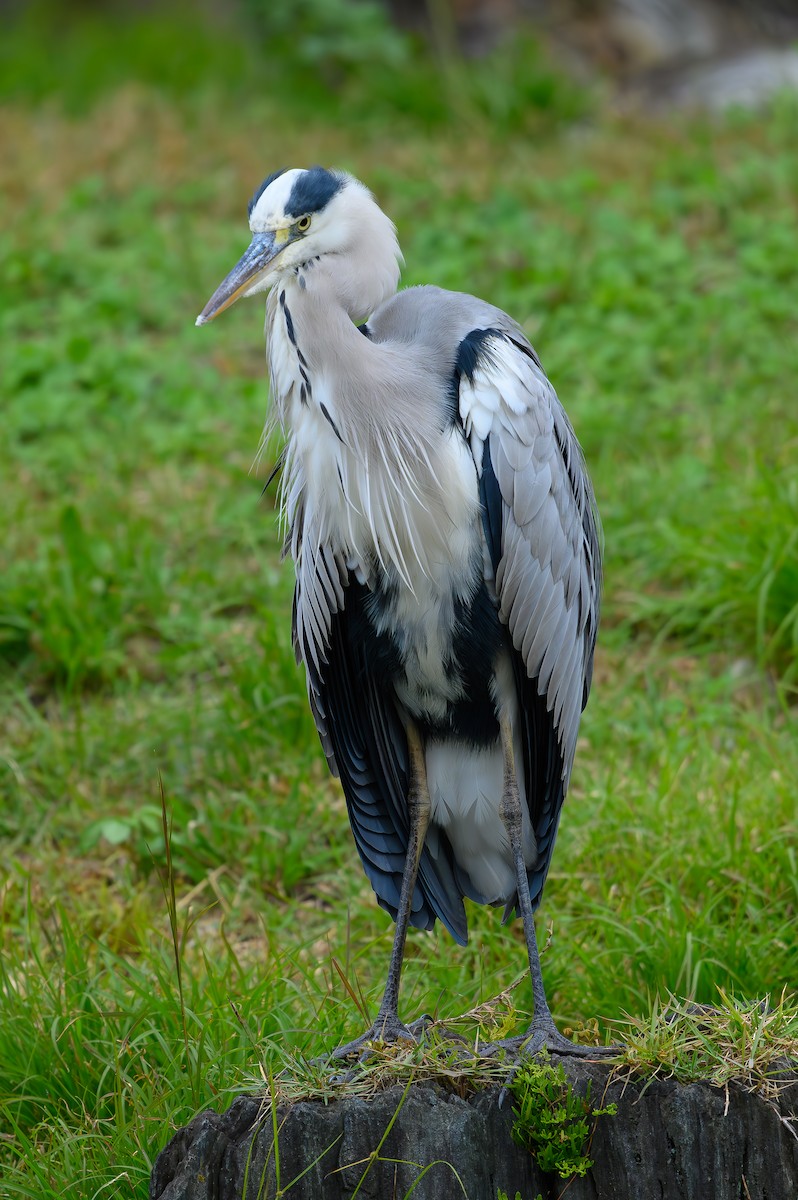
408,524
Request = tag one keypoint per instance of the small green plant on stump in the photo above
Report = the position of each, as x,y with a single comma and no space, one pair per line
503,1196
552,1121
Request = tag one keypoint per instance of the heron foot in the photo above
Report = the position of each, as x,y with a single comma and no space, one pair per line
531,1044
386,1030
543,1037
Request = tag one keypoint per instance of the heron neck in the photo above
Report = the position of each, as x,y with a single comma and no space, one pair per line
314,311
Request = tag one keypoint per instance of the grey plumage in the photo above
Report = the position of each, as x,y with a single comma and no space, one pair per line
446,547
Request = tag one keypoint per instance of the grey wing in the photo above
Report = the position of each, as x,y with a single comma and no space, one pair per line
542,539
361,731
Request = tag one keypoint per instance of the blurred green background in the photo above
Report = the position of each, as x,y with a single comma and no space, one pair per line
145,614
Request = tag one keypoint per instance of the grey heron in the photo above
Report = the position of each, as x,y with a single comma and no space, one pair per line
445,541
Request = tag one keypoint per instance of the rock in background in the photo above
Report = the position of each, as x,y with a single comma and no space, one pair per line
656,53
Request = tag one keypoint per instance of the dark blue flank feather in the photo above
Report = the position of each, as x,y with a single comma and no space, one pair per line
542,775
370,755
491,501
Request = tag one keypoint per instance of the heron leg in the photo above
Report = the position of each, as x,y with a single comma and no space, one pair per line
542,1033
387,1027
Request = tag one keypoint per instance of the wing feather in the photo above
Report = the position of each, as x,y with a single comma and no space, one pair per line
361,731
546,561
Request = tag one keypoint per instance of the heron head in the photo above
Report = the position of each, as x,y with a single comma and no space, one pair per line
297,216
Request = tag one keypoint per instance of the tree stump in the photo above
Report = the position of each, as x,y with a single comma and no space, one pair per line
668,1141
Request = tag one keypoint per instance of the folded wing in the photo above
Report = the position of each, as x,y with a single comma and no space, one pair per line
543,552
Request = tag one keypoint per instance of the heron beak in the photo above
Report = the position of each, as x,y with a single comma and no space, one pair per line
253,264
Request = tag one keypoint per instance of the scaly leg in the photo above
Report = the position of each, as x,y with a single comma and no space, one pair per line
542,1033
387,1027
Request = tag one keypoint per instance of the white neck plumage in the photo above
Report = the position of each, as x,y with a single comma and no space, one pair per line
355,451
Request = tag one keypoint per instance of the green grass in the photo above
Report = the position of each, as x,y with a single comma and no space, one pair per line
145,615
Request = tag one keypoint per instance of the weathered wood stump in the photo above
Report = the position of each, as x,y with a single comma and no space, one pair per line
668,1141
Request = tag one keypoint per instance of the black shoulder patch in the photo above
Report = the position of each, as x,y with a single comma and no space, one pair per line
471,349
256,195
469,352
312,191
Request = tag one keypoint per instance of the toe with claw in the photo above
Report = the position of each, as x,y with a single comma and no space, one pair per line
386,1030
542,1037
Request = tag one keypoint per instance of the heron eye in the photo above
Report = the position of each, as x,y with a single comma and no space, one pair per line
303,224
